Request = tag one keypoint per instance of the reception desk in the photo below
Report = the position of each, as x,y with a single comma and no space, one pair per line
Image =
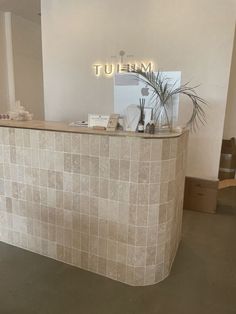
110,203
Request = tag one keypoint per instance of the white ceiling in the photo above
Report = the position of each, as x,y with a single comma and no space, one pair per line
28,9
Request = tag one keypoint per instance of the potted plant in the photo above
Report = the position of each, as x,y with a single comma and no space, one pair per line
162,95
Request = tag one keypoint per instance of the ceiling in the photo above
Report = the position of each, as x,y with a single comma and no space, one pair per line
28,9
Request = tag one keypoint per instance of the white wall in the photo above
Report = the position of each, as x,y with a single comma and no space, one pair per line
4,99
28,67
195,37
230,117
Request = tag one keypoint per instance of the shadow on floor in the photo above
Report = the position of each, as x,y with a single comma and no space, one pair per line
203,277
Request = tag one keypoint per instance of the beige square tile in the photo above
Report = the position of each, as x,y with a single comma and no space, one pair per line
76,163
155,172
94,145
141,236
93,263
143,194
103,208
133,194
67,162
144,172
142,215
84,144
173,148
93,226
76,240
76,183
102,266
104,167
112,269
84,223
165,170
124,191
125,150
111,250
68,200
94,186
75,143
103,228
122,250
150,272
103,188
154,193
84,165
76,257
93,242
84,240
112,230
113,211
84,184
131,235
59,142
94,203
114,169
156,150
52,233
159,273
84,260
67,142
114,144
94,166
151,255
130,275
153,215
114,190
122,233
135,143
84,204
76,221
51,179
124,170
52,215
163,192
123,213
171,190
139,274
132,214
104,146
163,213
102,252
67,238
76,202
166,149
152,236
121,272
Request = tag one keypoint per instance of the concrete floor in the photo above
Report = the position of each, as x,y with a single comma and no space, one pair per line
202,281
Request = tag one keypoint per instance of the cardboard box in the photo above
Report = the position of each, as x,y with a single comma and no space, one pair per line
200,195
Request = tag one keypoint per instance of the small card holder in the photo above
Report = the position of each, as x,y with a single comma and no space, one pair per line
113,122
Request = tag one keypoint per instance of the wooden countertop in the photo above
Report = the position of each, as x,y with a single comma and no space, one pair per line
64,127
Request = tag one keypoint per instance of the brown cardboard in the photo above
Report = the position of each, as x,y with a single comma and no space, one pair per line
200,195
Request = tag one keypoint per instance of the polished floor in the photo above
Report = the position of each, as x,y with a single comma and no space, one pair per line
202,281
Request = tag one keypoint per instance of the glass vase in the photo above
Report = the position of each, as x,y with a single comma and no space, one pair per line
164,118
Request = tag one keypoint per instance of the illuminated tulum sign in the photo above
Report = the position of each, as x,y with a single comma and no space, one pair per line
111,69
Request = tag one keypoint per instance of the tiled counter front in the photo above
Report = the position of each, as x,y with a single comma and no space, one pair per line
110,205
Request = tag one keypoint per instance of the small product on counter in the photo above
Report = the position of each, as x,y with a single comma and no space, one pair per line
152,127
19,113
4,116
142,115
83,124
